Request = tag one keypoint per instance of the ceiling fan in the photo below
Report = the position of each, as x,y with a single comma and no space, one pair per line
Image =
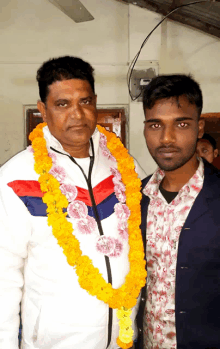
73,9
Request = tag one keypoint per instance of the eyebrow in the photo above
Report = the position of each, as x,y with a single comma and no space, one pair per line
66,100
183,118
88,97
62,100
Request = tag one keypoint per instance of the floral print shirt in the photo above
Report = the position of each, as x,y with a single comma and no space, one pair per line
164,224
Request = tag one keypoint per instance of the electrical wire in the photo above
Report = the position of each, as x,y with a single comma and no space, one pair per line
134,61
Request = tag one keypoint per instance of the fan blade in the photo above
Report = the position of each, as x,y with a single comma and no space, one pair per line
73,9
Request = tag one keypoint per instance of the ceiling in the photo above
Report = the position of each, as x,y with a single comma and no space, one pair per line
204,16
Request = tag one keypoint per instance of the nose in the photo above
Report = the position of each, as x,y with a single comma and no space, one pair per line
76,112
168,135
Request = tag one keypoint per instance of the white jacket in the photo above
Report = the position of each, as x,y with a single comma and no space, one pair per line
56,312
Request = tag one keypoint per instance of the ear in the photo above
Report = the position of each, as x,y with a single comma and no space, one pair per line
215,153
201,125
42,109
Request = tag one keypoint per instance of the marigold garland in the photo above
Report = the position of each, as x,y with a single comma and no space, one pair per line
89,277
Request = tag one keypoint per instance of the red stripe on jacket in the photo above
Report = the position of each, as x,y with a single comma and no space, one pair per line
32,188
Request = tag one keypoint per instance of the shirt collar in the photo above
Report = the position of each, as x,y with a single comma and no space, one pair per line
193,185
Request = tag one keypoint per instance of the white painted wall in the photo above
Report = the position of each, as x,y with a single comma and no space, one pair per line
179,49
31,31
141,22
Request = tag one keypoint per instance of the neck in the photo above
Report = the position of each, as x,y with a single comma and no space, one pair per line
175,180
77,152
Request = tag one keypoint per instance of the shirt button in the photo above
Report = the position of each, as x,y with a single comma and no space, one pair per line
142,299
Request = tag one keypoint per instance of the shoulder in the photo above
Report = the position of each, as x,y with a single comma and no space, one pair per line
210,169
211,175
19,166
145,181
211,184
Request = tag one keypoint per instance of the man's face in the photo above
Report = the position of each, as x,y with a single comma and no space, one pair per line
171,132
206,151
70,112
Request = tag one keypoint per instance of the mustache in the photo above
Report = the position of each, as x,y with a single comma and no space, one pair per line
164,149
77,125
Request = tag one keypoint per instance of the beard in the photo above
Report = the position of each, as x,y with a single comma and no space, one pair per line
173,163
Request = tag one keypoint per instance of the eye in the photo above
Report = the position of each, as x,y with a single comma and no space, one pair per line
86,101
183,124
62,104
155,126
152,124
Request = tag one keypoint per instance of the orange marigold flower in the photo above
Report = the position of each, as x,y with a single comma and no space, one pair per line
124,345
89,277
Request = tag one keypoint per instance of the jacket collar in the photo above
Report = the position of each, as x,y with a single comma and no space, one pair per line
207,195
211,181
210,192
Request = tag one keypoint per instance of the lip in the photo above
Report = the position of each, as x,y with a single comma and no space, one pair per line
167,153
167,150
77,127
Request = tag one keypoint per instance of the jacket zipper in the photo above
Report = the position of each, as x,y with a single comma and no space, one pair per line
94,206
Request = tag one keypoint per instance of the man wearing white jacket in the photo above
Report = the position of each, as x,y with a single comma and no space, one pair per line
70,245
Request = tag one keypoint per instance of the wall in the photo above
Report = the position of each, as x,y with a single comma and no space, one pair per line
31,31
179,49
141,22
191,51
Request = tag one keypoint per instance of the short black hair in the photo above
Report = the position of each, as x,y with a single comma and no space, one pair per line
63,68
210,139
172,86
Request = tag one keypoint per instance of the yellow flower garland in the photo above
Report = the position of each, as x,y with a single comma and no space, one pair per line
89,277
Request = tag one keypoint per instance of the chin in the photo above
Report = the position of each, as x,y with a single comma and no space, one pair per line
78,140
167,168
169,165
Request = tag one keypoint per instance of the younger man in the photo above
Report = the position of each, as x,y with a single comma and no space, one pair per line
181,210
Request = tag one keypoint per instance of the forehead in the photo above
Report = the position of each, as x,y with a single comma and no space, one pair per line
204,143
171,108
69,89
